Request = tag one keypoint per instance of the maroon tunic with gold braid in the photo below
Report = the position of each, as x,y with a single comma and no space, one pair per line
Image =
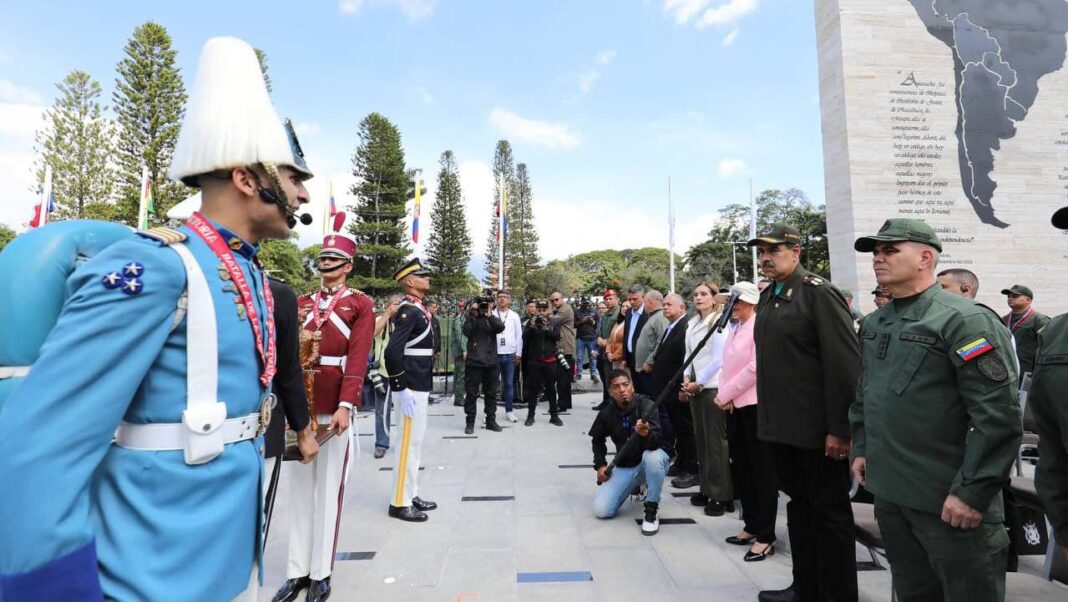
347,329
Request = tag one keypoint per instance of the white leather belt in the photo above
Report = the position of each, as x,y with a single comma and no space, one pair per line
13,371
333,360
171,436
419,352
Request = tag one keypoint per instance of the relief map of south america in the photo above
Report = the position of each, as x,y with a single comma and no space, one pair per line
1001,49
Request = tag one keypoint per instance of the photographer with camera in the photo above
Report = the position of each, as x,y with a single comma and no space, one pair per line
565,319
586,322
378,376
539,339
481,329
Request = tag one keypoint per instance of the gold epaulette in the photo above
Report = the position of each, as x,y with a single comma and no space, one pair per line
814,280
165,235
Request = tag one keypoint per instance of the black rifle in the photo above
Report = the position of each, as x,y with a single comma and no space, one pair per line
720,324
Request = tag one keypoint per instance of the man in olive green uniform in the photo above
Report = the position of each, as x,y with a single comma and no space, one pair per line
1024,322
936,424
1050,406
808,358
459,355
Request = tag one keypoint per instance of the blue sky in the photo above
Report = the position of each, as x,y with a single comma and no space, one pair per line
604,100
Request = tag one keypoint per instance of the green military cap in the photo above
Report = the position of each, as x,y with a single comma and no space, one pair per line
777,234
541,304
897,230
1060,218
412,268
1018,289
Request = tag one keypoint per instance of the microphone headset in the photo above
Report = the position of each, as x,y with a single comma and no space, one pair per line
271,197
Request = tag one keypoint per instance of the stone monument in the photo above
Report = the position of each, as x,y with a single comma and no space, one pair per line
956,112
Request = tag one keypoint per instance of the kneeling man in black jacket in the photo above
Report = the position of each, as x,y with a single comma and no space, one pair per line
644,462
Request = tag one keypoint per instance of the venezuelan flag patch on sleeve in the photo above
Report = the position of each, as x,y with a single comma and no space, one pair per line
975,349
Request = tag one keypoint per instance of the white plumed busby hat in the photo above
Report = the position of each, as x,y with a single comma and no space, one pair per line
229,119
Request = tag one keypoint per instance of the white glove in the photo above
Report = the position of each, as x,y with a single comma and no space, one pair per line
407,402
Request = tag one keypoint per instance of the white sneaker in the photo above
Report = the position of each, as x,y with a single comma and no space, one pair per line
511,417
651,522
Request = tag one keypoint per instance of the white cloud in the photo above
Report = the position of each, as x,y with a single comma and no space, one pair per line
18,124
427,98
730,38
702,14
307,127
560,238
551,135
730,167
413,9
14,93
591,74
349,7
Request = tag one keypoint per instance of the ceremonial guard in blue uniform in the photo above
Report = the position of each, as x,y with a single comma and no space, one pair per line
410,363
131,452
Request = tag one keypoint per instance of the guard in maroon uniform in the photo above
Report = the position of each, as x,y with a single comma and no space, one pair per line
343,319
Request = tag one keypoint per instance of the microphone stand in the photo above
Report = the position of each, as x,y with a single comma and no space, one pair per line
720,324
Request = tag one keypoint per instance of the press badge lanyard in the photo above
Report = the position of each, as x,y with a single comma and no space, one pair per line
211,237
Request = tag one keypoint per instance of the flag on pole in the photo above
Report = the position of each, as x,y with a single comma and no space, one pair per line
415,210
146,206
46,204
333,205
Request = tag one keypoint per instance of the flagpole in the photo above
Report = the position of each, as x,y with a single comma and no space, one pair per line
142,206
753,228
501,233
46,197
671,241
326,211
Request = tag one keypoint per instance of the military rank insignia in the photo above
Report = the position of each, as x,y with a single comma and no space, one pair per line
974,349
128,280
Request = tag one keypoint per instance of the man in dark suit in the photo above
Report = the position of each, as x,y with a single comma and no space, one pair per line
666,359
633,322
288,388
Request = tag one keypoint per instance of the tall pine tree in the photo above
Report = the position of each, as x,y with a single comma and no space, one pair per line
77,142
449,248
522,244
149,102
381,192
503,179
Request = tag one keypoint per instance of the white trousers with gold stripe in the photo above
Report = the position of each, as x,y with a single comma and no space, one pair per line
407,453
316,495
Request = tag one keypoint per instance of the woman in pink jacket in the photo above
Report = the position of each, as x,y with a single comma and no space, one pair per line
753,471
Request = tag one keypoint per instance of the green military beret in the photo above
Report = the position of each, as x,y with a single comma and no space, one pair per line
897,230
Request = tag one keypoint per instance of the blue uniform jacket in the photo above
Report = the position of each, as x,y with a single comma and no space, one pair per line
80,516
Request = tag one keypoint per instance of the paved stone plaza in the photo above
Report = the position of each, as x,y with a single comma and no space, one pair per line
545,543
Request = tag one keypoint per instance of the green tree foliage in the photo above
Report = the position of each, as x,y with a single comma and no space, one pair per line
76,141
712,259
149,102
449,246
593,272
503,180
6,235
522,243
284,259
381,192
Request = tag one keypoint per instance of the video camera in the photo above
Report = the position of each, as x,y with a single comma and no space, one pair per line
481,303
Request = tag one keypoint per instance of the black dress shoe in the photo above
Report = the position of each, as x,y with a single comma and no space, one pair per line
469,429
779,595
752,556
319,591
291,589
685,481
699,499
714,508
741,541
421,504
556,421
407,513
491,425
530,420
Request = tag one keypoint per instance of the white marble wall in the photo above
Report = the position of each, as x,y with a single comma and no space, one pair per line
867,50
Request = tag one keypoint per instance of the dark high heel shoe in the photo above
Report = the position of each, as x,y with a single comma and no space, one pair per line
741,541
752,556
